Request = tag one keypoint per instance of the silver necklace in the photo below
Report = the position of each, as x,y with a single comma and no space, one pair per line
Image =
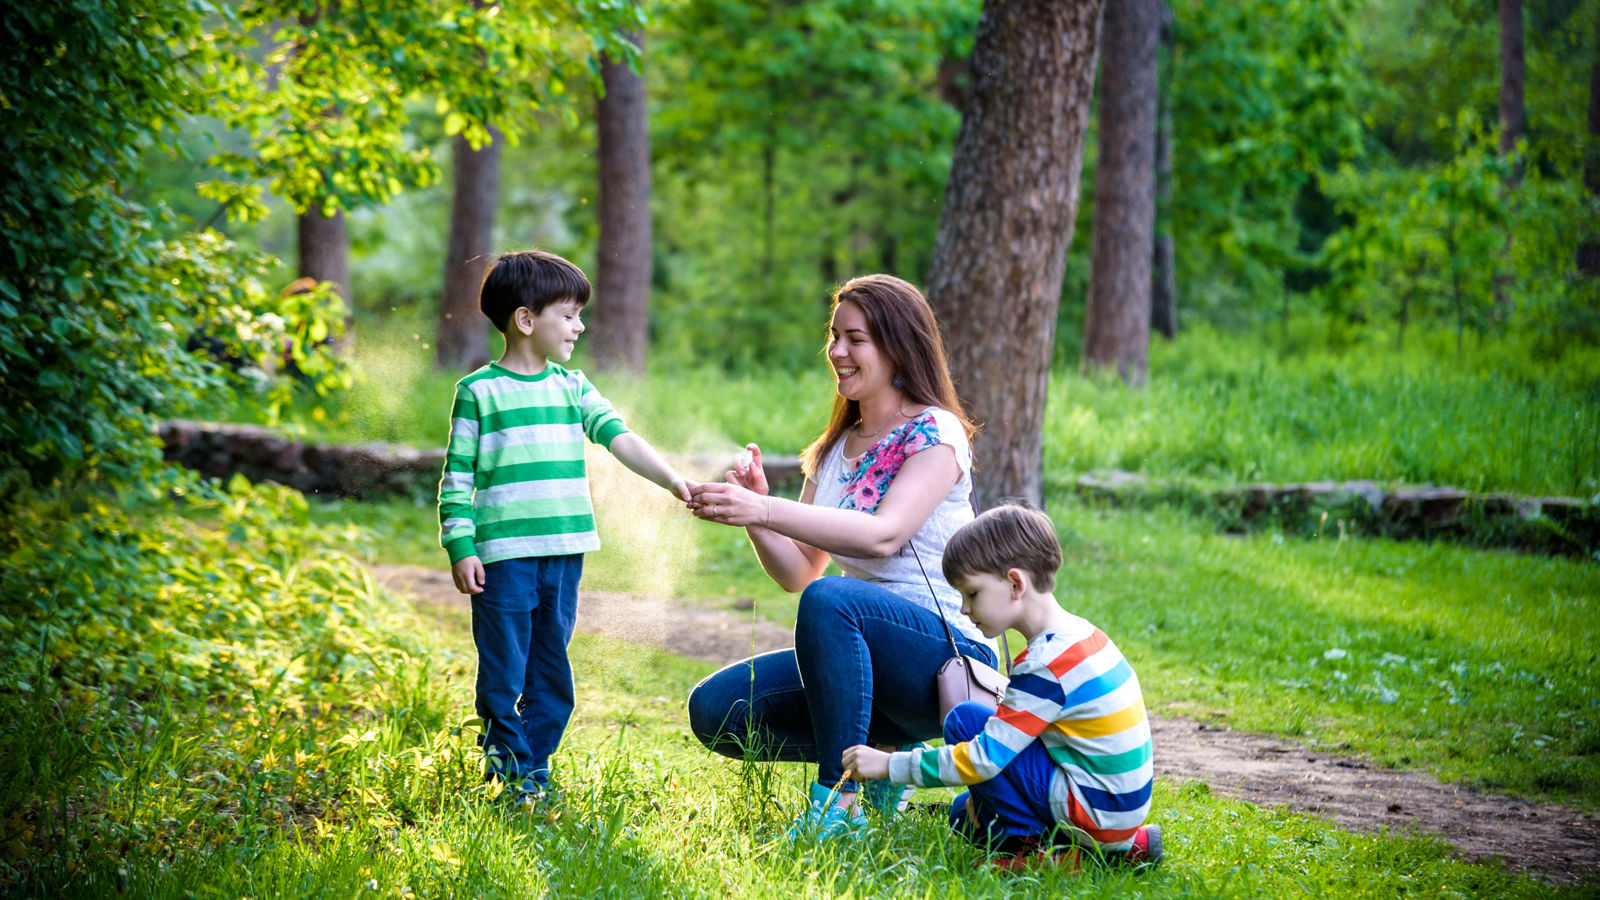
873,434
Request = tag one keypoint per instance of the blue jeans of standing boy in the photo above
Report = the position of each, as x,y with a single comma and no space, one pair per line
861,671
1013,804
521,625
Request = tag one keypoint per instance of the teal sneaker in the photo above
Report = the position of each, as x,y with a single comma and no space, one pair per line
888,798
824,821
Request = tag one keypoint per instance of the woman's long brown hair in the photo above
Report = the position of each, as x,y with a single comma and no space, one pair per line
901,323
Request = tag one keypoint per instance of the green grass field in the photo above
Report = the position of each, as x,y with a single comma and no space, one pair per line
253,718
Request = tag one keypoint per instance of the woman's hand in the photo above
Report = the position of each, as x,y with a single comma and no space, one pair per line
730,504
868,764
747,471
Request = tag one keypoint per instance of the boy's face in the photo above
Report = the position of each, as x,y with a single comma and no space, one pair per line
991,602
554,330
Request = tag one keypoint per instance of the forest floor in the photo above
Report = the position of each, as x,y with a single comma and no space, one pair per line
1557,843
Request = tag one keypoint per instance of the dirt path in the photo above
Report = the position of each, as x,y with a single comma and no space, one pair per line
1556,843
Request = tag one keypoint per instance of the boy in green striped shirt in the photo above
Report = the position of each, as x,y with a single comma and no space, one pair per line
514,508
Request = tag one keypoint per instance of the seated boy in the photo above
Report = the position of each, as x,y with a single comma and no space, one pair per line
1066,758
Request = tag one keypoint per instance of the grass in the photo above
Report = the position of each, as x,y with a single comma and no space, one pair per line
369,789
1476,665
1217,407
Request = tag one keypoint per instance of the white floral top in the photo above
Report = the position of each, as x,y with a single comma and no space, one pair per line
860,484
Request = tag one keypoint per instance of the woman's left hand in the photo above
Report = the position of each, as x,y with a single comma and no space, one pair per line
729,504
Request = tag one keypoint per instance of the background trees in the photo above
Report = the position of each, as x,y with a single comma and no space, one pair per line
1334,165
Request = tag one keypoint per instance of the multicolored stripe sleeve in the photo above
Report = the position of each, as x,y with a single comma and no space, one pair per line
457,530
1031,704
601,423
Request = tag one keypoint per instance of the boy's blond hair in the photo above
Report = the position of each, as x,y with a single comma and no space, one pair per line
1009,536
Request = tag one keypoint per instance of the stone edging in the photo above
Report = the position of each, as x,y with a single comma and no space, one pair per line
1553,524
352,470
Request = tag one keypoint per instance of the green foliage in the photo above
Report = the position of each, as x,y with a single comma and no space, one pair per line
179,684
328,99
1263,97
797,145
96,311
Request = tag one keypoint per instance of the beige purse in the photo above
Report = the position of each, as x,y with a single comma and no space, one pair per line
964,678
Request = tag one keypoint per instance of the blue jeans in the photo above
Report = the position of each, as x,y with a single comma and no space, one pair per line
1013,804
861,672
521,625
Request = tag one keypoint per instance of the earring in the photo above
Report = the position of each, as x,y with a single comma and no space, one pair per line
896,382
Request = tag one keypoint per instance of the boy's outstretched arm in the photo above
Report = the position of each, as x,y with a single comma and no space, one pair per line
637,454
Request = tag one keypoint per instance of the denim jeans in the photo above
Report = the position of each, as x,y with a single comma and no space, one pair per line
1013,804
861,672
521,625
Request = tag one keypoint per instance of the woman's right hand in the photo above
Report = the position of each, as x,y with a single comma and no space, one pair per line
752,476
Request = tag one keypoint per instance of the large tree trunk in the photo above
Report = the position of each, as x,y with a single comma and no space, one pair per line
1589,248
1008,214
621,314
1164,275
462,337
324,253
1116,327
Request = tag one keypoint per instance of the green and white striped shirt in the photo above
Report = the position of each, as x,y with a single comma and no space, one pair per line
514,483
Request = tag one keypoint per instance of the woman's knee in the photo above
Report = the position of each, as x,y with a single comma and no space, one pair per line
826,598
714,716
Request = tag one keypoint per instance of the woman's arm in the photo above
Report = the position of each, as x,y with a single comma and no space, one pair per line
921,485
790,563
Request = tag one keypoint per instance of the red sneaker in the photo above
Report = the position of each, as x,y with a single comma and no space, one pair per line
1031,857
1146,848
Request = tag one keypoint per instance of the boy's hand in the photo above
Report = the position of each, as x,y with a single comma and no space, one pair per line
680,488
468,575
869,764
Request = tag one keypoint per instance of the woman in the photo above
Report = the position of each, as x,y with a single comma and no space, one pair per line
887,483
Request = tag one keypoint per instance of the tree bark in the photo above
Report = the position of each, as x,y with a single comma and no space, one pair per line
324,251
1116,328
1009,206
1513,73
1588,256
462,339
1164,275
1513,124
621,315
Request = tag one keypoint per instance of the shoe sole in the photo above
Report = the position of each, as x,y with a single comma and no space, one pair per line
1154,852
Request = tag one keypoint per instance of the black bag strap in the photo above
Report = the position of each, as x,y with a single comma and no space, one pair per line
938,607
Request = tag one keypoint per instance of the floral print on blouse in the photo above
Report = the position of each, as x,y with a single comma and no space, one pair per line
866,483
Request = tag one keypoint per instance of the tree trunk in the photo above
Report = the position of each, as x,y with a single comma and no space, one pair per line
1513,114
1513,123
462,338
1164,275
1116,327
324,252
1589,248
621,316
1009,206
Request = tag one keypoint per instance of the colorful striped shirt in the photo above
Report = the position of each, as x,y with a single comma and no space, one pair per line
515,483
1073,690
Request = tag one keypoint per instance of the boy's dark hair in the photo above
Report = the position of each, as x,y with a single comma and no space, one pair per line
531,278
1009,536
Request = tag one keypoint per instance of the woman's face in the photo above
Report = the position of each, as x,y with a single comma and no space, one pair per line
859,367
